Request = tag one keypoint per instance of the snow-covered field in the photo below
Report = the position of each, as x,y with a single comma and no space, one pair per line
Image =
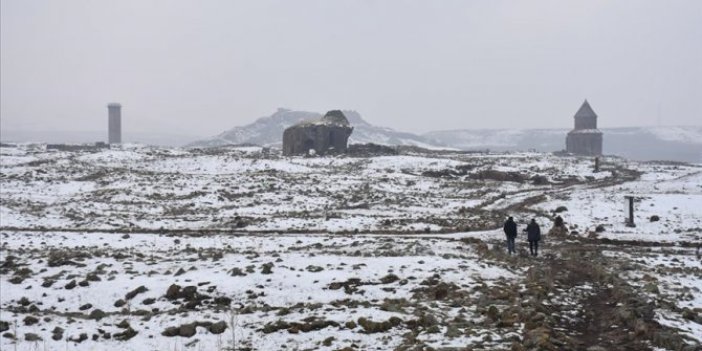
241,246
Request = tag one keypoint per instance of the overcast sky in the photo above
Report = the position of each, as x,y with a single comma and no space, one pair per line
200,67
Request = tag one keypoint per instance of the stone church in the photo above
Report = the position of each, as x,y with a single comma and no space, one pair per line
330,134
585,139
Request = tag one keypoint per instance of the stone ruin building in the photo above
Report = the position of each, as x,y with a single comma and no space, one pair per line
330,134
585,139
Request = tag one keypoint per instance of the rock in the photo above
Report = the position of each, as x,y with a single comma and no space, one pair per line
30,320
217,328
87,306
171,331
689,314
4,326
328,341
149,301
222,301
237,272
654,218
371,327
651,288
97,314
267,268
24,302
125,335
57,334
32,337
189,293
560,209
600,228
80,338
390,278
314,269
130,295
119,303
123,324
187,330
173,292
72,284
493,313
350,325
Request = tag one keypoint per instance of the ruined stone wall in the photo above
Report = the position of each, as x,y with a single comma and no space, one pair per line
322,138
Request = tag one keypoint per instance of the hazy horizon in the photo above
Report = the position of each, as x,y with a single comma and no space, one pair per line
199,68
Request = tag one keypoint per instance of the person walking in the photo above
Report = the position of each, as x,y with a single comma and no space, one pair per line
534,236
510,229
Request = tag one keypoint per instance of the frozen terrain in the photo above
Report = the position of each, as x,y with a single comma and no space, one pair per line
140,248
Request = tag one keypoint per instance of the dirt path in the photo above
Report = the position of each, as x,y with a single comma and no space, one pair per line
576,300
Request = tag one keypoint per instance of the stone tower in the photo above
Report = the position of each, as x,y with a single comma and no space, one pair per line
114,123
585,138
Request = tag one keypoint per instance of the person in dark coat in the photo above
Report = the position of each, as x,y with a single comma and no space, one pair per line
534,236
510,229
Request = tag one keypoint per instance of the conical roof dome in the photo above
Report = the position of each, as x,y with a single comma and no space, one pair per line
585,111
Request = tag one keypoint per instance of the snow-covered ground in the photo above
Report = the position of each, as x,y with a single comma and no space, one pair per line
320,253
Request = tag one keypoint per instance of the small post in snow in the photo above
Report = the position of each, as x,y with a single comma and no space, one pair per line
630,221
597,164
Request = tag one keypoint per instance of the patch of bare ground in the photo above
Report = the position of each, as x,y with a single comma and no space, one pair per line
574,299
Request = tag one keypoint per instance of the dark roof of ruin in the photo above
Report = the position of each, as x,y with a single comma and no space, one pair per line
585,111
335,117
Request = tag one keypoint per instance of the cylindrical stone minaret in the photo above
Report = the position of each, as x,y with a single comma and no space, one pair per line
114,123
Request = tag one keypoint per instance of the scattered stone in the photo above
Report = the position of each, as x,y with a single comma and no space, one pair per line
72,284
97,314
390,278
30,320
237,272
560,209
173,292
126,334
313,269
32,337
80,338
217,328
57,334
267,268
130,295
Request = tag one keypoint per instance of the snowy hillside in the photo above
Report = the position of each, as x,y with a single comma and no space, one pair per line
640,143
240,248
268,131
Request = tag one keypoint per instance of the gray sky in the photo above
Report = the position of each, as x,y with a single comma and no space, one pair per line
200,67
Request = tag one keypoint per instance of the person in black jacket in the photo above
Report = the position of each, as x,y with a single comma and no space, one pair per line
533,235
510,229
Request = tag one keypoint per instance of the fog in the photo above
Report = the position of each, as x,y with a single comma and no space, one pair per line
200,67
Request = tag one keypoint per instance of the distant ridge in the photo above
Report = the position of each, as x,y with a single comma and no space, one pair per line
268,131
674,143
